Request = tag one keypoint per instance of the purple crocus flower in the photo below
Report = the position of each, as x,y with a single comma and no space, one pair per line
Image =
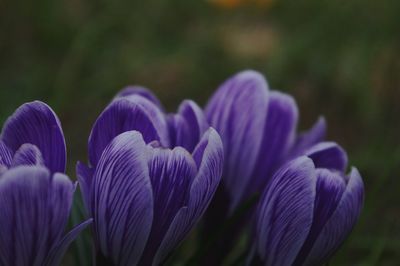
150,179
35,202
258,129
308,209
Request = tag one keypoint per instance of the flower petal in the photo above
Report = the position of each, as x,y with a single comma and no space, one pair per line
209,156
171,173
138,90
285,212
195,118
43,204
5,155
28,154
188,125
122,202
340,224
238,111
279,133
37,124
178,130
330,188
309,138
60,200
328,155
85,177
124,114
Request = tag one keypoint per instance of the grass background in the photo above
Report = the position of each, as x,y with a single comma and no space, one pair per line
338,58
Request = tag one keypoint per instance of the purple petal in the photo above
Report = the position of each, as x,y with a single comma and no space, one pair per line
125,114
341,222
285,212
138,90
330,188
187,126
37,124
58,250
195,117
307,139
122,202
279,133
43,204
328,155
210,150
209,156
178,130
28,154
60,201
85,177
5,155
171,173
238,111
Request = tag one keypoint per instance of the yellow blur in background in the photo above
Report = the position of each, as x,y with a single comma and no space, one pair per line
237,3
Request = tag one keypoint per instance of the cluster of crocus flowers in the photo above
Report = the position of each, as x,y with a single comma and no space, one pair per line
308,204
151,176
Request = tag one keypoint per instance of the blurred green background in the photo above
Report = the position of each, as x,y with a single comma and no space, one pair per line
338,58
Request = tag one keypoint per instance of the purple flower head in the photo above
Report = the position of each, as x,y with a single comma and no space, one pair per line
258,130
309,208
151,177
35,201
33,135
34,210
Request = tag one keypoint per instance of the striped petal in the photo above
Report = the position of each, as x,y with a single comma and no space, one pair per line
28,154
85,177
122,201
285,212
328,155
5,155
178,130
37,124
309,138
171,173
340,223
187,126
34,208
208,156
138,90
237,111
124,114
279,133
330,188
